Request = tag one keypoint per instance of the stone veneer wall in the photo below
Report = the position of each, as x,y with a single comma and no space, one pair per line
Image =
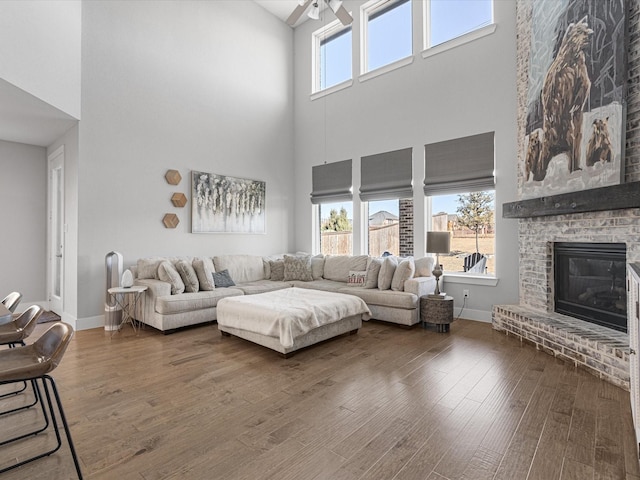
603,352
406,227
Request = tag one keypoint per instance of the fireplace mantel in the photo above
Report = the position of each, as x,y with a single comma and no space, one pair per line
615,197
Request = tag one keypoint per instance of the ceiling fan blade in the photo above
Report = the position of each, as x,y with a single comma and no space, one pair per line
344,16
297,13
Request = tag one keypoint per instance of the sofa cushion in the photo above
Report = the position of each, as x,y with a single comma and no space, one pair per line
168,273
222,279
277,270
317,266
242,268
337,267
189,302
424,266
204,269
386,298
325,285
404,271
388,268
297,267
356,278
188,276
148,267
373,270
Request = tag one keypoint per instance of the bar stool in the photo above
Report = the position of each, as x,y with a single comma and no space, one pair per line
11,301
35,362
14,333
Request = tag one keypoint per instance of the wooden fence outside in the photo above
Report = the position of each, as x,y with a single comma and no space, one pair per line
381,238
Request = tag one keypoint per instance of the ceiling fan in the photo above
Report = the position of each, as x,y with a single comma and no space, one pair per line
334,5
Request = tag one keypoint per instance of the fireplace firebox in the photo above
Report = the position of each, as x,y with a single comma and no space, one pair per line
589,282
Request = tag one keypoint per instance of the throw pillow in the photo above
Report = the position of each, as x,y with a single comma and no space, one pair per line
222,279
356,278
387,270
168,273
204,270
297,267
317,266
424,266
373,270
277,270
188,276
148,267
404,271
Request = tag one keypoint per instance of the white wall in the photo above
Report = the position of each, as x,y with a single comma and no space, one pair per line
44,54
23,200
183,85
463,91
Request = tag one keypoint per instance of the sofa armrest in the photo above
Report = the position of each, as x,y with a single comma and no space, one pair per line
420,285
157,288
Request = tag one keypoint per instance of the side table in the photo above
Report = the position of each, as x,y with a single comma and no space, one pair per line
438,310
127,299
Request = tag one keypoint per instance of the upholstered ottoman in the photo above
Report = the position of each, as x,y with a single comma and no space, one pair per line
290,319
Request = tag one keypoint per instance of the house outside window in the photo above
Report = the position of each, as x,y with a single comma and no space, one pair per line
331,56
386,33
390,228
449,19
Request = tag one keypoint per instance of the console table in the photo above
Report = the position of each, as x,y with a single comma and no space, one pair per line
438,310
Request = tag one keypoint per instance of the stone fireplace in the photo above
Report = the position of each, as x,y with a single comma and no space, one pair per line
601,350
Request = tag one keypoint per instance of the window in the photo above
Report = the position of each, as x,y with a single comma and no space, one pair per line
470,218
386,33
391,227
336,228
449,19
331,56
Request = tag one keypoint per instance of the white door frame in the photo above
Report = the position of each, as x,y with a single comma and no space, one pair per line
56,230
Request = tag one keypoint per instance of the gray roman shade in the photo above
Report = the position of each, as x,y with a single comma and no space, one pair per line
386,176
332,182
459,165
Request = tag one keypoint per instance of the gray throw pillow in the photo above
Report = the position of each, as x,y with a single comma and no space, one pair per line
386,273
188,276
277,270
168,273
297,267
222,279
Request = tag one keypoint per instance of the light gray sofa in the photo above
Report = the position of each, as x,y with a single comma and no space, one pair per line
252,274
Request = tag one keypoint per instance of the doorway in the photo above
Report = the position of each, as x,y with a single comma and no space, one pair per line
56,230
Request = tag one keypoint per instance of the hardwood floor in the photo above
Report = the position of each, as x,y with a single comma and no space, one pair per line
387,403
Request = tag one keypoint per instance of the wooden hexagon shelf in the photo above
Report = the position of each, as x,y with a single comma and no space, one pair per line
171,220
178,199
173,177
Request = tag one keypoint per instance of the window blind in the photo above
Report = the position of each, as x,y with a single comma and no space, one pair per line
386,176
459,165
331,182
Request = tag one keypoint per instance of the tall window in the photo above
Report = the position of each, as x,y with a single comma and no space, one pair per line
470,219
449,19
387,33
336,228
331,56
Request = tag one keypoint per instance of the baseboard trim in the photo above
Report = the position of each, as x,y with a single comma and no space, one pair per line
469,314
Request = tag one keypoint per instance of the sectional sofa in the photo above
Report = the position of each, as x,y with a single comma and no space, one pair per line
181,291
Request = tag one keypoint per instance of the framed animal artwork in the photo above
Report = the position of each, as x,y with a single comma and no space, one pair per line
574,98
223,204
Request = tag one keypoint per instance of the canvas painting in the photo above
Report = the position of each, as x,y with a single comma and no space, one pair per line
575,123
223,204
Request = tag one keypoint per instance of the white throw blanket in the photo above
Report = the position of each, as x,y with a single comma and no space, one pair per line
288,313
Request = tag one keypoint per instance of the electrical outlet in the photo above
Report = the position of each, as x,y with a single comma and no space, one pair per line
465,293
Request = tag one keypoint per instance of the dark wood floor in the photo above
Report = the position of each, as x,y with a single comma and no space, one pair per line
387,403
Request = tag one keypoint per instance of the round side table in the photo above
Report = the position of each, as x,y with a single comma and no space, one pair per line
437,310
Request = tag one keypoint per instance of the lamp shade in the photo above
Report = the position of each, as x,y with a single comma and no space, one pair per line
438,242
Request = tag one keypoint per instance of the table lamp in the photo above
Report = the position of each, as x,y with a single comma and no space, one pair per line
438,242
